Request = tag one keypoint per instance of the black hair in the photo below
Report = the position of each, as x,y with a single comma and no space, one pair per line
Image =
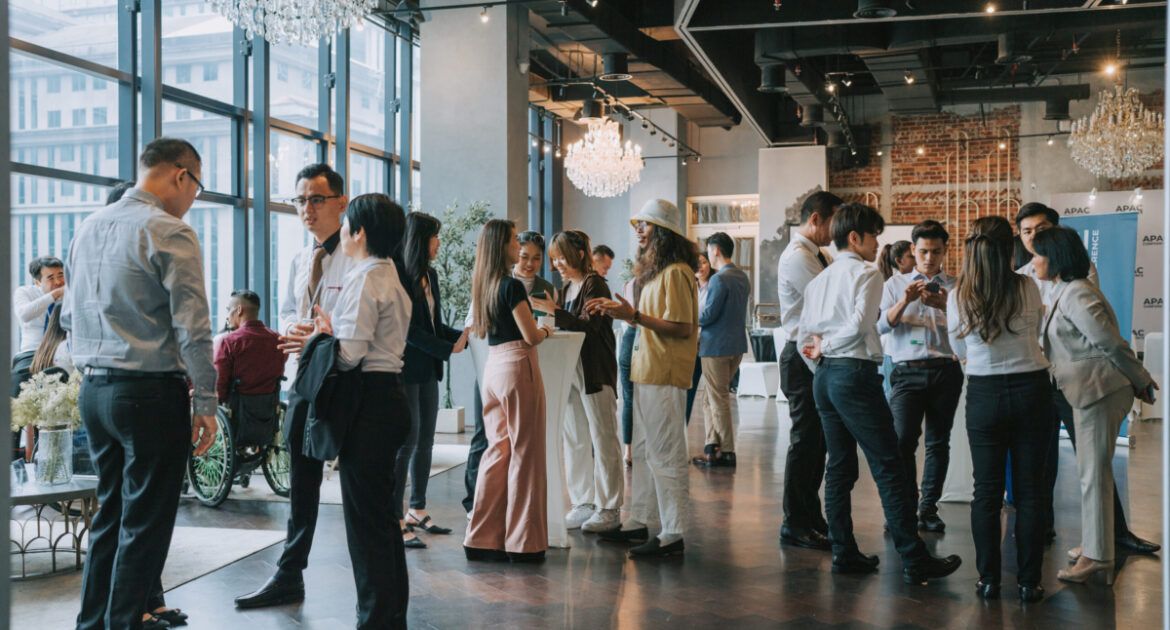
249,297
1035,208
604,250
531,236
1065,251
117,191
929,229
889,257
1020,254
383,222
333,178
855,217
723,243
37,265
416,249
821,202
169,151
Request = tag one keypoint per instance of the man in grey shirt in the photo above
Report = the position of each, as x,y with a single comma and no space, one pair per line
139,326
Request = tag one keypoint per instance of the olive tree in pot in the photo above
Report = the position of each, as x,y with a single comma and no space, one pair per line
454,264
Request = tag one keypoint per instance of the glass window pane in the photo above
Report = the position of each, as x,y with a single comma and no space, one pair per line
211,135
294,80
197,49
80,29
366,174
288,237
367,106
74,131
215,226
415,136
289,154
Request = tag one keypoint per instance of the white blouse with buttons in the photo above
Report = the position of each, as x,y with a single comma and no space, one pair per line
371,317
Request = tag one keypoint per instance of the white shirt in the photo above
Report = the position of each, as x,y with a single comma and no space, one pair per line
334,267
842,306
797,267
30,304
922,333
371,317
1046,286
1014,352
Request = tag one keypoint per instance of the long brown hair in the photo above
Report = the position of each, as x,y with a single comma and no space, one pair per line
573,246
54,337
491,267
663,249
889,257
990,292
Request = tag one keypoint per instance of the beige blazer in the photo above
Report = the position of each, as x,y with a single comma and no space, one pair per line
1089,358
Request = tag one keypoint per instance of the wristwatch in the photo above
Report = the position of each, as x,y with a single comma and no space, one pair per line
637,319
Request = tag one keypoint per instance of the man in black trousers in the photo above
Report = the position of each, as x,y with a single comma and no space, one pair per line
139,327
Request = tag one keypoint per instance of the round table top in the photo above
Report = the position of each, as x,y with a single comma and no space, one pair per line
32,493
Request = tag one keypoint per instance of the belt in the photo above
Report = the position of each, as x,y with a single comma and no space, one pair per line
391,378
850,361
937,362
134,375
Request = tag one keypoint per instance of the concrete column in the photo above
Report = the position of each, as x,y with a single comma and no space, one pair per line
474,104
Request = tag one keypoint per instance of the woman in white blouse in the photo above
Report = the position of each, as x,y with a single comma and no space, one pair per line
993,319
370,322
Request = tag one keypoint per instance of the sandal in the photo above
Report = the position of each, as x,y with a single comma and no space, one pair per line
412,522
173,616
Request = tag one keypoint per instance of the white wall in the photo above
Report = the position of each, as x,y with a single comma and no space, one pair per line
730,162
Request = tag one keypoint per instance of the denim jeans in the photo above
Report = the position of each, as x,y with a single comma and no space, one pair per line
625,355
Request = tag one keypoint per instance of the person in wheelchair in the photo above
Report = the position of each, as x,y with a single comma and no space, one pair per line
249,366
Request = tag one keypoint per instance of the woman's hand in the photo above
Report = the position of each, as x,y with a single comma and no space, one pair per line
322,324
461,343
543,304
619,309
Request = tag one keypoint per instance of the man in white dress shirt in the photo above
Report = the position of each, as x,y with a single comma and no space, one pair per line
804,524
316,279
838,328
32,304
927,379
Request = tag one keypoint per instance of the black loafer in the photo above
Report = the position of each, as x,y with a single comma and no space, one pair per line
1030,594
273,593
154,623
986,589
654,548
930,567
726,460
485,555
533,556
804,538
931,523
414,543
854,562
1133,544
173,616
620,535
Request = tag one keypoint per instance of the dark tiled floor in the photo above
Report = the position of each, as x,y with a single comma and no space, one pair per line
734,573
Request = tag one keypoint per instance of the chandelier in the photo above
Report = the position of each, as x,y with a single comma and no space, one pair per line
293,21
599,165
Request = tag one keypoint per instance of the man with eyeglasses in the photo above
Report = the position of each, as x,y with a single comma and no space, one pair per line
315,279
139,327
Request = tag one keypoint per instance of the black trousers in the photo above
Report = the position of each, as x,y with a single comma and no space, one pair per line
305,475
415,455
478,445
367,489
930,393
854,413
1063,413
804,468
1010,413
139,431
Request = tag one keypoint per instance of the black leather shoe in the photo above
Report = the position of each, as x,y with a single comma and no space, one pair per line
620,535
654,548
274,592
929,568
534,557
804,538
931,523
854,562
709,457
154,623
1029,594
1133,544
987,590
726,460
485,555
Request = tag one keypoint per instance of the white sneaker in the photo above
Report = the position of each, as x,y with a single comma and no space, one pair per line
603,520
578,515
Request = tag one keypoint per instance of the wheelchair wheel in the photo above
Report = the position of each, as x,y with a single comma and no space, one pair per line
211,475
277,461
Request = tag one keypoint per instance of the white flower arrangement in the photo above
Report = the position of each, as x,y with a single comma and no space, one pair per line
47,401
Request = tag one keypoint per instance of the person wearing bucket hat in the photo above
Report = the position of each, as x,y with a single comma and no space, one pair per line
667,313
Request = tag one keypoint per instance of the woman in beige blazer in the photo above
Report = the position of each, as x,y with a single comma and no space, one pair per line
1100,375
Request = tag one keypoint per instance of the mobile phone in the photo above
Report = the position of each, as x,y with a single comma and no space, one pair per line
933,287
1150,395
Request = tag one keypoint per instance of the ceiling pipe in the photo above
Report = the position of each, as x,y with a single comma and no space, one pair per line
773,79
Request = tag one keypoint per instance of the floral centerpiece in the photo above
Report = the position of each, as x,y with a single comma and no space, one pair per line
48,401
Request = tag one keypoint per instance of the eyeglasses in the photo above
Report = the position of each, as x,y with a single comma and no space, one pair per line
314,200
198,183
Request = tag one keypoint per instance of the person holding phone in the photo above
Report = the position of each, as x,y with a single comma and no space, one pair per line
1100,375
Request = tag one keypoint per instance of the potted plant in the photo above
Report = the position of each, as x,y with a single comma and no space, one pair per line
48,401
454,264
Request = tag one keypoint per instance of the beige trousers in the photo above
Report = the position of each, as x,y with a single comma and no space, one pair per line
717,373
1097,426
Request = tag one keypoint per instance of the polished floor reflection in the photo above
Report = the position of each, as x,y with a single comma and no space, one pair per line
733,573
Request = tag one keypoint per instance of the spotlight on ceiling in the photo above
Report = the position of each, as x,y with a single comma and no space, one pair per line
1110,69
880,153
772,78
1050,141
874,9
831,87
548,148
847,81
1002,146
564,8
616,67
593,3
990,8
483,15
921,150
909,77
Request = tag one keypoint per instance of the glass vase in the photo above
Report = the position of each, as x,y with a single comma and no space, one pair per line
54,456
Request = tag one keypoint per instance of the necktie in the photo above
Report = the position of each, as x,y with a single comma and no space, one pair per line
314,280
821,257
48,316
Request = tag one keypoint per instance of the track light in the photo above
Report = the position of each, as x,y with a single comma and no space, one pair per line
698,158
483,15
593,3
1110,69
645,124
1050,141
684,161
990,8
880,153
1137,193
909,77
831,87
847,81
654,131
548,148
564,8
558,152
921,150
1093,195
1002,146
671,145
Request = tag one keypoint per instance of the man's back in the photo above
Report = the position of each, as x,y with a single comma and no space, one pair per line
250,356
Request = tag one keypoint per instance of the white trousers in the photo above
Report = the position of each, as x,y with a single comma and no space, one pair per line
593,452
661,485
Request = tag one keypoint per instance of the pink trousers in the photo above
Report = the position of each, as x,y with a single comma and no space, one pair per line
511,500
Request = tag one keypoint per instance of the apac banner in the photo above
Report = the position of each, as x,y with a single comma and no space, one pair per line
1112,243
1146,278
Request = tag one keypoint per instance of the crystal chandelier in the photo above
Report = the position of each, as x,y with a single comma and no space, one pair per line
293,21
599,165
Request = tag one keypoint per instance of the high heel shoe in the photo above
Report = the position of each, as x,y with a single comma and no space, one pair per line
1084,569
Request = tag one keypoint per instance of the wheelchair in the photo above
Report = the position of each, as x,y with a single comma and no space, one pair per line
250,434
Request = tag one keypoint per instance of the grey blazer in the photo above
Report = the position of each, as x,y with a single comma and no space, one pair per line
1089,358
